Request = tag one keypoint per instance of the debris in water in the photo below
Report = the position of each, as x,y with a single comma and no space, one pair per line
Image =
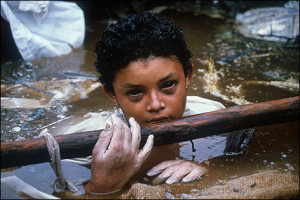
290,84
54,123
206,162
290,167
21,188
224,36
66,90
210,85
79,75
16,129
238,141
36,114
273,24
10,102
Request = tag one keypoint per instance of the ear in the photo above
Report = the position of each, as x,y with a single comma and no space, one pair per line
110,95
189,75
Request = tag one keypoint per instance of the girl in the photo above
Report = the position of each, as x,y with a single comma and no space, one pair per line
145,68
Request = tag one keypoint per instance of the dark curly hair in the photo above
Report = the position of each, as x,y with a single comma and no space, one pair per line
138,36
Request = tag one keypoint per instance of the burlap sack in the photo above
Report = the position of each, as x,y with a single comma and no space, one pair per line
270,184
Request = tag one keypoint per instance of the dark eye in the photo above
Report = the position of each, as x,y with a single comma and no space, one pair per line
134,92
169,85
135,95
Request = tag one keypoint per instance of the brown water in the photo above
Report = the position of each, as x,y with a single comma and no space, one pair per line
239,63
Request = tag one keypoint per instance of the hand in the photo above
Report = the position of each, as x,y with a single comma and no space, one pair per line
174,170
116,157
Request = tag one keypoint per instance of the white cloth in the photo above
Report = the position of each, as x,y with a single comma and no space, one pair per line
197,105
44,28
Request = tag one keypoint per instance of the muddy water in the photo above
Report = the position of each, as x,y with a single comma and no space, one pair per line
233,70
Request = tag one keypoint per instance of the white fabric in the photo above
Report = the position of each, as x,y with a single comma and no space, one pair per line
44,28
39,8
197,105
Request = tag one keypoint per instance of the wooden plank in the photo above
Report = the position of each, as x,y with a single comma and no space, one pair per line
197,126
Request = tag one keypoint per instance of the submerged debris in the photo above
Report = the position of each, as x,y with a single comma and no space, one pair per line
16,129
67,90
238,141
290,84
22,188
7,102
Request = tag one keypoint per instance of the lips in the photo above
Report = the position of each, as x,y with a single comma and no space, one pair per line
159,118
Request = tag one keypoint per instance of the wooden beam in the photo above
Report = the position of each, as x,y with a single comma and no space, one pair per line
197,126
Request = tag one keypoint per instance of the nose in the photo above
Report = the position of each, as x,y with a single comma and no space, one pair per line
156,103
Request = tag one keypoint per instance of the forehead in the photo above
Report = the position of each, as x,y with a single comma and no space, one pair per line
151,69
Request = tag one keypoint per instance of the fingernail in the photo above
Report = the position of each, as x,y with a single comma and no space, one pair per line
130,119
107,125
149,173
169,181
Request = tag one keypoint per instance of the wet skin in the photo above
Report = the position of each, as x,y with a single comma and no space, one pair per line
146,90
151,90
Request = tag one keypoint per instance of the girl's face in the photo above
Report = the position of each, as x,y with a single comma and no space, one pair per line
151,89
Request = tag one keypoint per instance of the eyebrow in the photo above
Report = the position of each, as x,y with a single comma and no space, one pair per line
129,85
171,75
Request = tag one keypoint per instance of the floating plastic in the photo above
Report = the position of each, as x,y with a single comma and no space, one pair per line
280,24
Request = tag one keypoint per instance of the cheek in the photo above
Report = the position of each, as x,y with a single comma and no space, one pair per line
133,110
177,103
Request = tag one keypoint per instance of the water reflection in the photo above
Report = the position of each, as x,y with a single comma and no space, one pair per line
206,148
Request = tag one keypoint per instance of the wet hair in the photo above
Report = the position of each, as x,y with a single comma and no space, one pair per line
138,37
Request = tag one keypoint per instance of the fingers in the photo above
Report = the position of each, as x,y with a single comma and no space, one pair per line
144,153
175,170
136,133
160,167
103,140
167,169
177,175
196,173
120,129
164,175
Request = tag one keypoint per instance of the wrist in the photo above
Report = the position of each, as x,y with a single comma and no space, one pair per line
94,187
